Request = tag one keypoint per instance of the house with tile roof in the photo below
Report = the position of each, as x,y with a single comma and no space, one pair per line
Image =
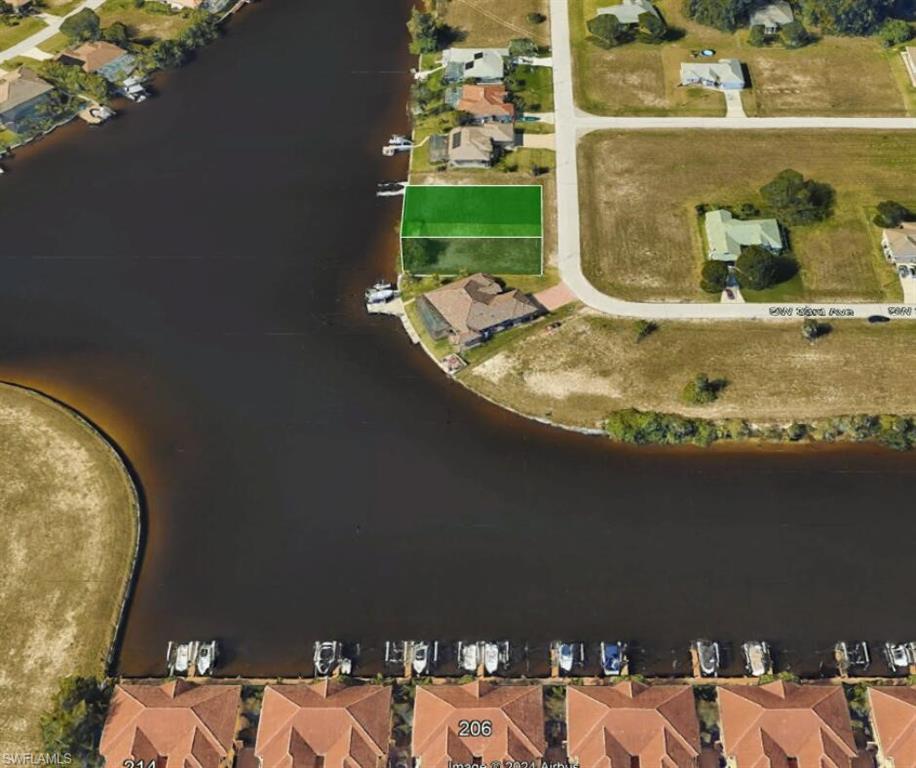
629,11
726,235
772,17
22,92
893,720
486,102
327,724
725,74
899,243
176,724
514,715
470,310
477,146
627,724
786,725
103,58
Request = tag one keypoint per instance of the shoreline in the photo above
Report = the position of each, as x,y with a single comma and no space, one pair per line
799,434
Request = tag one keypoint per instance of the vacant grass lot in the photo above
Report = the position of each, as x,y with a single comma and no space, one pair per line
468,211
19,30
154,21
493,23
827,77
452,256
68,516
593,365
641,235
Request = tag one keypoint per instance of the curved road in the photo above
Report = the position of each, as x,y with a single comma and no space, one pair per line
572,123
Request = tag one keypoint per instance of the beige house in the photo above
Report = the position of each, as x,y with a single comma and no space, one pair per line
899,244
909,59
476,146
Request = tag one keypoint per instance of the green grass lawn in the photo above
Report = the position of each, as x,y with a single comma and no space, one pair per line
452,256
535,87
507,210
55,43
641,239
7,138
60,7
154,21
18,31
827,77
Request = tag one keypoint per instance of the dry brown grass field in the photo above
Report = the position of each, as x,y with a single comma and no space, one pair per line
69,521
592,365
494,23
826,77
641,234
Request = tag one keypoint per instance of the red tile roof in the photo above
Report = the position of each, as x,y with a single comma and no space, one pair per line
786,724
177,724
893,714
485,101
611,726
324,725
515,712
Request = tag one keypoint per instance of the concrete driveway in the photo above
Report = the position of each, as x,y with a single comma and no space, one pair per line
734,107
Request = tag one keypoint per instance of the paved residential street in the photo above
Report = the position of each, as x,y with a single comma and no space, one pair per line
24,47
572,123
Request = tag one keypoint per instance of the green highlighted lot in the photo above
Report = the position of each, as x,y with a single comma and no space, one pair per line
472,211
465,229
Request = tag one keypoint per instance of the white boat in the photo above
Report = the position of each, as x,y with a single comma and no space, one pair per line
898,656
469,657
395,144
327,655
708,657
381,293
182,658
491,658
391,189
567,654
424,656
206,657
757,658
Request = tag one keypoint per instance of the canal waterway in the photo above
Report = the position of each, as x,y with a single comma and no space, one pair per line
189,278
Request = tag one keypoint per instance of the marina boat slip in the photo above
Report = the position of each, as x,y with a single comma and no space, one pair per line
568,655
757,659
469,657
613,658
708,657
852,657
425,657
197,657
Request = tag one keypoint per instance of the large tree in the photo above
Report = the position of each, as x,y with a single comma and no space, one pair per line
757,267
797,200
84,25
715,276
74,721
847,17
607,29
424,32
726,15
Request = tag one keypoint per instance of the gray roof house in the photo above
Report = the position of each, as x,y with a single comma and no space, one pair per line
487,65
21,93
629,11
773,16
470,310
899,244
474,146
726,235
726,74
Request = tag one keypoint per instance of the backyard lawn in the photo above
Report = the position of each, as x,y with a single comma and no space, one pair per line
535,87
18,31
69,520
641,233
493,23
152,21
827,77
592,365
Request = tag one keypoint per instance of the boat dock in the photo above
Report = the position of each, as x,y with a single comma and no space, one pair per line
395,308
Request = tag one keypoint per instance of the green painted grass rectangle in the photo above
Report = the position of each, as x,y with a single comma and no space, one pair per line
452,256
508,210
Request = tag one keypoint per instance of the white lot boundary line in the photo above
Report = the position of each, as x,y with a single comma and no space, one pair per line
571,122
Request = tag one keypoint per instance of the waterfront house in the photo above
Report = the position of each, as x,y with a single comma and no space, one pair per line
786,724
470,310
19,6
630,723
725,74
478,723
485,65
909,60
486,102
102,58
177,723
328,724
477,146
629,11
893,722
22,93
899,244
772,17
726,235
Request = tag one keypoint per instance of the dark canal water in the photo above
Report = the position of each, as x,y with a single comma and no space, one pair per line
189,278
